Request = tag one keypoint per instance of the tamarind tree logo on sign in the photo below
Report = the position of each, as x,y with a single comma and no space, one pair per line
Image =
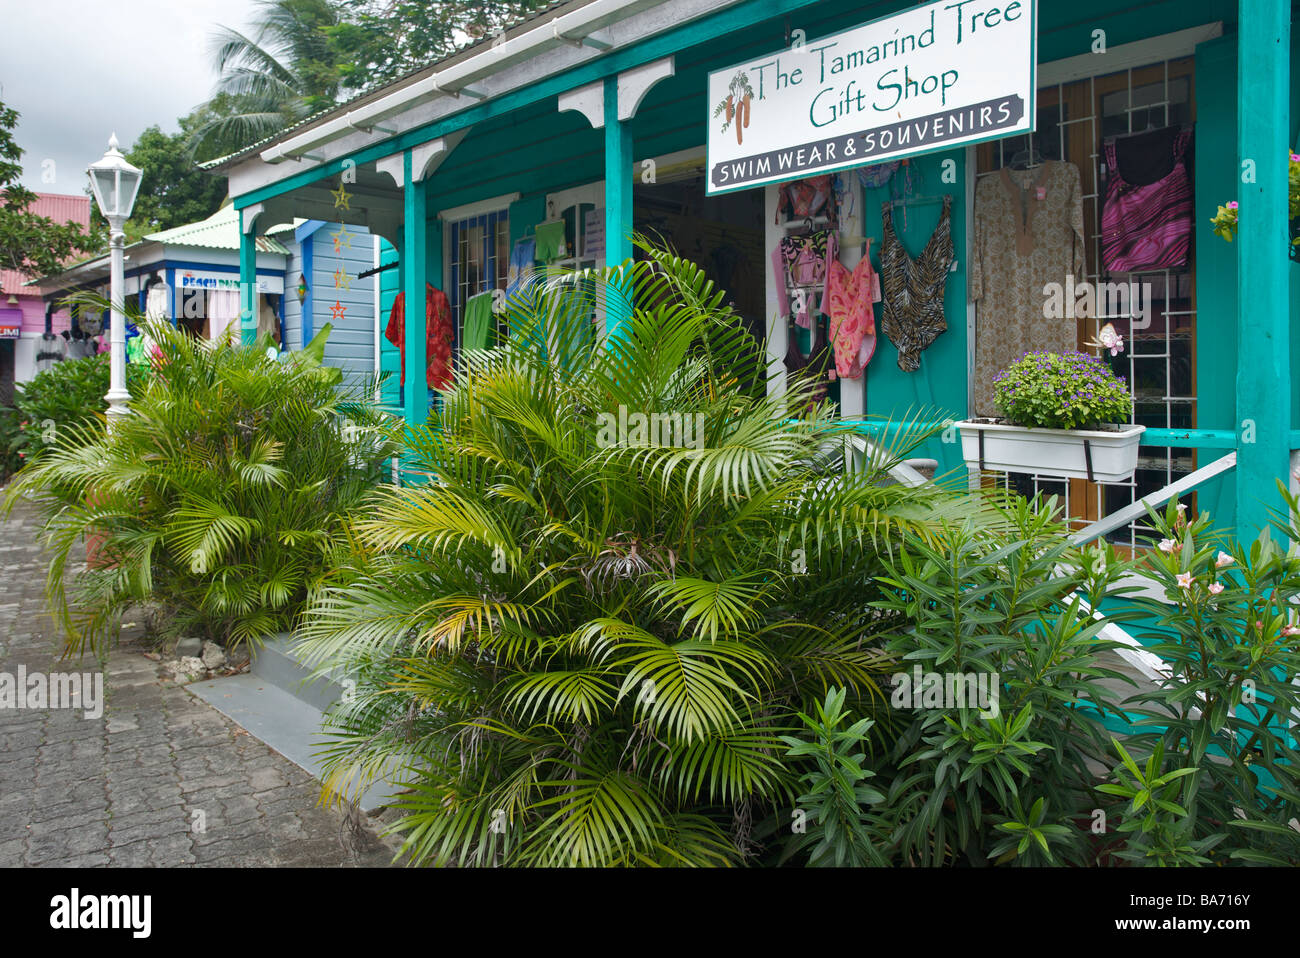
934,77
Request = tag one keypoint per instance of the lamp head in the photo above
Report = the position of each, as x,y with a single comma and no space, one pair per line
115,183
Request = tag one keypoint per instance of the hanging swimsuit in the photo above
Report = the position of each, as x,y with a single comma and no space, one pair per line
804,199
816,363
852,318
801,264
913,306
1147,226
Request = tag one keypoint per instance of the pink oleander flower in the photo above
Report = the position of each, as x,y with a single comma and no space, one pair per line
1167,545
1184,580
1223,559
1232,204
1216,588
1295,157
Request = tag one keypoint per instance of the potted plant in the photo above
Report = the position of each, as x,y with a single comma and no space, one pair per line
1225,220
1065,416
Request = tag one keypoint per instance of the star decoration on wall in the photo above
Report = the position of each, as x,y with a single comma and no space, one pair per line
342,238
341,197
338,311
341,280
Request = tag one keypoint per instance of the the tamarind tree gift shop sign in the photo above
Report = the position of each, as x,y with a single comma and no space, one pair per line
930,78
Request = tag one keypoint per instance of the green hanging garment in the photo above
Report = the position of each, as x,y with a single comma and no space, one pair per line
478,330
550,241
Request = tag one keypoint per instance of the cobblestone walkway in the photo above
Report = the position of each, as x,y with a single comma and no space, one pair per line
161,778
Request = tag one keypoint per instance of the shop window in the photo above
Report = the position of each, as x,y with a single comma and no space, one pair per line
477,259
1159,361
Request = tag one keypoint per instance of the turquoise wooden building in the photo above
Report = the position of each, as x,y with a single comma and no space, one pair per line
596,114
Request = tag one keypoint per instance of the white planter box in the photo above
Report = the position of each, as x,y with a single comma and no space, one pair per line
1052,452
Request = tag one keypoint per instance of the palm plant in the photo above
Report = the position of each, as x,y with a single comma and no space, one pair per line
286,70
216,500
578,650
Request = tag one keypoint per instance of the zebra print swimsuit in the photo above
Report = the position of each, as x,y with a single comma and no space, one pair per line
913,289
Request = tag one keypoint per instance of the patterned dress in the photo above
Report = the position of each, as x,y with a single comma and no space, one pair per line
912,314
1028,234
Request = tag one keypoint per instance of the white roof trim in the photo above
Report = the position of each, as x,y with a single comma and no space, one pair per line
495,70
490,205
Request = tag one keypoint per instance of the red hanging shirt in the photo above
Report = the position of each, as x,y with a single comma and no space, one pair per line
438,334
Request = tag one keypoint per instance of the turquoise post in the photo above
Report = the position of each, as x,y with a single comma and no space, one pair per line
247,277
1263,316
618,206
415,204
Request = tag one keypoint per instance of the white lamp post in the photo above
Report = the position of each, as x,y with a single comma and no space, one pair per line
115,183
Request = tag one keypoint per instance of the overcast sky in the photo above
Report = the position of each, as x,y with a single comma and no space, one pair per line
78,70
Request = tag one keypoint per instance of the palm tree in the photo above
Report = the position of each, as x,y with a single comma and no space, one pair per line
581,646
286,70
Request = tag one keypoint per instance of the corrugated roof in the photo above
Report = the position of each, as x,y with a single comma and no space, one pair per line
59,207
218,231
367,93
11,281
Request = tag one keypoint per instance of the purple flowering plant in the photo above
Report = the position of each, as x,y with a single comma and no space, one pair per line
1050,390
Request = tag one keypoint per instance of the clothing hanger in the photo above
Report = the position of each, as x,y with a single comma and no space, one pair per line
1150,127
1030,159
807,223
906,201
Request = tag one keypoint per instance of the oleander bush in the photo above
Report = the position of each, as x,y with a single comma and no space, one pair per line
1206,772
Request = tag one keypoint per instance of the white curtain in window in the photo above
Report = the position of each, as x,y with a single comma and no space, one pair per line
223,313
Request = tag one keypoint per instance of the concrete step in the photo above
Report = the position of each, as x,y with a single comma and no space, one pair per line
276,662
284,721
